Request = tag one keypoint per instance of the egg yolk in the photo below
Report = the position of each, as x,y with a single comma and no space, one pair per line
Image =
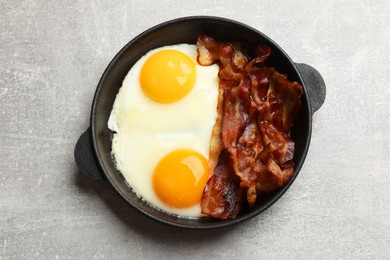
180,177
167,76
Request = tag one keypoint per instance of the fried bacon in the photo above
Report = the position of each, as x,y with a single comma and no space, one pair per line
251,151
236,104
223,197
288,94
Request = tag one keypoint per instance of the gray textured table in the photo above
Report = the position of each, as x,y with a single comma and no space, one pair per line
52,54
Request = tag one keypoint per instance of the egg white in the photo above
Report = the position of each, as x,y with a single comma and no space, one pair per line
147,130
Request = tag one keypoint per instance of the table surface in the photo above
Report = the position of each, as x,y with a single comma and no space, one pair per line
52,55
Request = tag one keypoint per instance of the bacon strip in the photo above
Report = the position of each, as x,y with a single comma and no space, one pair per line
231,61
223,197
208,50
289,94
236,104
250,149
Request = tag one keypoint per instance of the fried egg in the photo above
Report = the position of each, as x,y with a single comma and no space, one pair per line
163,117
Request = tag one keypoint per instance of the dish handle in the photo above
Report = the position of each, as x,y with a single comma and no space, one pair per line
85,156
315,85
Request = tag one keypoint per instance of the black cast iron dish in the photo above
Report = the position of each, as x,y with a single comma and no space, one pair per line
93,149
